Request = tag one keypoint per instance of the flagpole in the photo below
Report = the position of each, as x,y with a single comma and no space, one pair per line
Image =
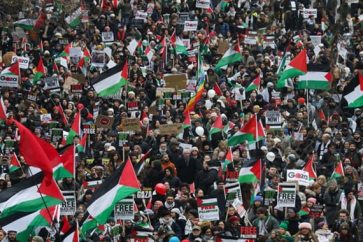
307,105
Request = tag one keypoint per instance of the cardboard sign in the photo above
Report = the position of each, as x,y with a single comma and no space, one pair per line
286,195
123,138
89,128
203,4
124,210
177,81
190,25
309,11
208,210
169,129
56,135
68,206
145,193
76,88
108,37
316,210
231,192
98,58
248,232
23,61
51,84
302,177
222,46
8,80
104,122
269,197
131,124
161,90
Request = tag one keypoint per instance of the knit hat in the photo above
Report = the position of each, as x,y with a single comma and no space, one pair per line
284,225
312,200
258,198
234,219
305,226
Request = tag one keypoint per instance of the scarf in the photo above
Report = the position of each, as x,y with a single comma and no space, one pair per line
352,204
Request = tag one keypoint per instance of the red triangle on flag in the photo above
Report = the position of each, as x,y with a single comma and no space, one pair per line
125,71
250,127
173,38
360,78
218,123
128,176
15,69
257,169
329,76
299,62
217,89
40,67
68,159
14,161
51,189
310,168
3,115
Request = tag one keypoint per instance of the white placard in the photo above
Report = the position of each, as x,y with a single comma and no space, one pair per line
8,80
141,15
190,25
124,210
208,210
203,4
310,11
315,39
302,177
108,37
23,61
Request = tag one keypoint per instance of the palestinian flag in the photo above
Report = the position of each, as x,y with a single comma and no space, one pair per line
338,171
195,99
29,195
110,81
255,84
251,132
230,57
26,24
228,160
149,53
74,19
74,236
66,51
26,223
187,123
296,67
75,129
39,71
317,77
118,186
217,89
251,173
309,167
81,147
217,126
282,64
3,115
353,92
229,126
14,163
32,150
13,70
180,48
66,167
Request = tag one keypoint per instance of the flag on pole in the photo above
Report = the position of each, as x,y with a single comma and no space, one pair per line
254,85
3,109
228,160
251,173
309,167
231,56
338,171
75,129
353,92
296,67
14,163
317,77
251,132
39,71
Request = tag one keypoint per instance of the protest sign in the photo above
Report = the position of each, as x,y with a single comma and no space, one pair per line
89,128
98,58
104,122
141,15
108,37
124,210
231,192
56,135
248,232
7,80
161,90
238,205
23,61
76,88
309,11
276,97
316,210
177,81
360,191
231,176
183,16
123,138
203,4
68,206
302,177
190,25
169,129
273,119
51,84
208,210
315,39
45,118
286,195
131,124
145,193
91,185
9,146
269,197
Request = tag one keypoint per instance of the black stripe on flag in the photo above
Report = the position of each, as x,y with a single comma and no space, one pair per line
110,72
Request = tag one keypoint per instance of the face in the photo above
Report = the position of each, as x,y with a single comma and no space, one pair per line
304,231
12,236
343,216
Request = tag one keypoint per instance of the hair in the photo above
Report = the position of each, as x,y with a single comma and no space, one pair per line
344,211
262,210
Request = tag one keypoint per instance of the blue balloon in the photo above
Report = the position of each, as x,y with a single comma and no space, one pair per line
174,239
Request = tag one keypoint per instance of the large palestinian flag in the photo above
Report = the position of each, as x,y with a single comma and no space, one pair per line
317,77
26,223
296,67
251,173
353,92
29,195
121,184
231,56
251,132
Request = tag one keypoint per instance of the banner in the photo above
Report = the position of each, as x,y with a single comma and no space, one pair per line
141,15
248,232
169,129
105,122
23,61
68,206
190,25
231,192
309,11
145,193
302,177
108,37
131,124
286,195
208,210
8,80
124,210
203,4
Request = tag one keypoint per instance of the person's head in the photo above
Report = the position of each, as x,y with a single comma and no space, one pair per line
258,201
196,230
305,228
220,185
199,193
186,153
12,235
261,213
170,199
343,215
321,180
291,213
37,239
344,228
2,234
333,185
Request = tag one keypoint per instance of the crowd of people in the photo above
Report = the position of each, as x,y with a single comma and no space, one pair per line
179,171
